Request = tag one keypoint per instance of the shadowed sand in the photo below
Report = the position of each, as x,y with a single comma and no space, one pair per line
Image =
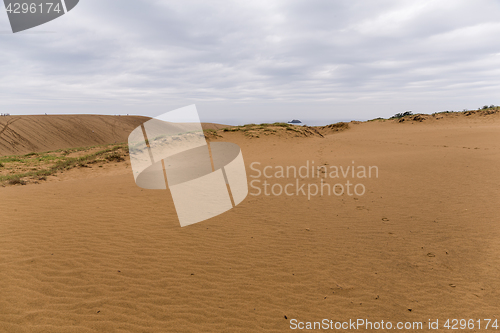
89,251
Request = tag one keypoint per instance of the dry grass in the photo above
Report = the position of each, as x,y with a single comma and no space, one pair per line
259,130
32,167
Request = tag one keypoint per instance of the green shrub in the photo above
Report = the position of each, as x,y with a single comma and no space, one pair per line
15,181
115,157
231,129
401,115
281,124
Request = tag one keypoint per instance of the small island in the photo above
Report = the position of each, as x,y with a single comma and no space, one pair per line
295,121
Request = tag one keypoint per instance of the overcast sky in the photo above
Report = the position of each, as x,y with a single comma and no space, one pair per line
256,61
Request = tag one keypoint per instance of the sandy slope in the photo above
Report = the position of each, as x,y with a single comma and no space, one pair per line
94,253
26,134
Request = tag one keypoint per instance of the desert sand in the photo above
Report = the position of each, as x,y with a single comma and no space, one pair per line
89,251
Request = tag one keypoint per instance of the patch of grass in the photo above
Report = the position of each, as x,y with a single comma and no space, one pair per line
255,130
211,133
48,158
232,129
440,112
257,127
210,130
7,159
61,162
281,124
292,129
115,157
341,125
15,181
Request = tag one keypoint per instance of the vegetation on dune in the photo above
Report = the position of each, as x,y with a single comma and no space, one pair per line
485,110
15,181
401,115
287,125
254,130
440,112
338,126
115,157
249,127
257,130
37,166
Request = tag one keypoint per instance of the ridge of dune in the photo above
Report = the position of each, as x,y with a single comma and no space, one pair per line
39,133
36,133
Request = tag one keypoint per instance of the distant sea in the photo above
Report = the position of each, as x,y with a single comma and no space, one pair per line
304,122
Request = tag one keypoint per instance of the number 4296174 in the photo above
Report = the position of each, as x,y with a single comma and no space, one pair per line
18,8
455,324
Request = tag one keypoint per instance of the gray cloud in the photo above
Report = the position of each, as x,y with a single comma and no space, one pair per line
256,61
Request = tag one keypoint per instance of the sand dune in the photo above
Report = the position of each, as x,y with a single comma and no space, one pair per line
26,134
89,251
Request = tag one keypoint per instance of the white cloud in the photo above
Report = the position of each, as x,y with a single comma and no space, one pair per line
256,61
